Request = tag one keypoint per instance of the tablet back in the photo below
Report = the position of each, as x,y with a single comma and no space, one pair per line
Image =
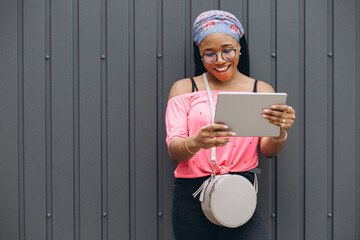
242,112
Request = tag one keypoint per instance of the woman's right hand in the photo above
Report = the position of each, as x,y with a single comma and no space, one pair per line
213,135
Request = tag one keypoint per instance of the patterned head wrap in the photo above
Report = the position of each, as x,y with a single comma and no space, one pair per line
216,21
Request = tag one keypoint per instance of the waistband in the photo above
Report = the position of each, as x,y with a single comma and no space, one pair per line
200,180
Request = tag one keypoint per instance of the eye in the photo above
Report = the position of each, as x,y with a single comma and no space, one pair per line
210,54
228,51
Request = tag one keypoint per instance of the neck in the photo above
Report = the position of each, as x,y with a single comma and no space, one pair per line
213,81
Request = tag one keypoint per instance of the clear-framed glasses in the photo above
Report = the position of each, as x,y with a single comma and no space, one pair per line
211,57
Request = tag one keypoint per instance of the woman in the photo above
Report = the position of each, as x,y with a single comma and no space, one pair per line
220,46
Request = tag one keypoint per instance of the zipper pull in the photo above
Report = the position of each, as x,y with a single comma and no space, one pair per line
201,188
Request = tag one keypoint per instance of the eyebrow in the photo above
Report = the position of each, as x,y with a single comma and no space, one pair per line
224,45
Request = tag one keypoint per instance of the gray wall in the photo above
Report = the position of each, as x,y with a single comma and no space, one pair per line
83,91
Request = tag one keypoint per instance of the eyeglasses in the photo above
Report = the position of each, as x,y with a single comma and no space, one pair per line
211,57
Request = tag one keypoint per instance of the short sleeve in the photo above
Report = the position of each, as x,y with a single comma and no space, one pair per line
176,118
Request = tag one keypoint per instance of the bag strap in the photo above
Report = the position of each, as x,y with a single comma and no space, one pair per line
212,107
213,149
256,184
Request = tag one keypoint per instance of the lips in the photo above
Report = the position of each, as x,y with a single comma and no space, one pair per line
222,69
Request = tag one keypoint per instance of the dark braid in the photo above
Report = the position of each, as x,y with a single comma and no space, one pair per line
244,60
199,66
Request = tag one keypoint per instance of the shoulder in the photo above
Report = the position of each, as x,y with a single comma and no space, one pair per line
181,86
261,85
264,87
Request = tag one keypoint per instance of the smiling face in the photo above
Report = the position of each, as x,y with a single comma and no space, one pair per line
217,43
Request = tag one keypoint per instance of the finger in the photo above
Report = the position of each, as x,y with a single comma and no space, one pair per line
273,112
215,127
283,107
222,134
278,119
290,110
284,126
279,107
215,142
210,141
286,116
222,142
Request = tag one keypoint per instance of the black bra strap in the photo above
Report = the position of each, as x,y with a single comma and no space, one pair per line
194,87
255,86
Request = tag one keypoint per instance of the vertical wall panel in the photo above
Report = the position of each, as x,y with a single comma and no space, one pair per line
104,120
173,65
259,36
162,206
48,124
9,178
62,119
289,185
344,105
189,65
235,8
200,6
196,7
76,132
357,156
90,119
173,43
132,155
145,109
34,120
316,145
118,119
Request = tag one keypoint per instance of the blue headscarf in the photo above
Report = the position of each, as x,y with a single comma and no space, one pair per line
216,21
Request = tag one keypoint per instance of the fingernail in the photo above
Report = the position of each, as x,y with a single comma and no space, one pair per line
263,115
226,127
265,110
272,106
233,134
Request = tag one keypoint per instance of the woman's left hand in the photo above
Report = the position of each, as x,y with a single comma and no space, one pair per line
280,115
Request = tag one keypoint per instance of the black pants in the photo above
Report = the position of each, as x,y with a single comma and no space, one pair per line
189,222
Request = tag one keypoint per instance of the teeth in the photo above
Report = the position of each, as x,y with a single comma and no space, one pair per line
221,69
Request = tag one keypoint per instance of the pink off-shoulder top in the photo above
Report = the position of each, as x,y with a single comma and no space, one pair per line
185,115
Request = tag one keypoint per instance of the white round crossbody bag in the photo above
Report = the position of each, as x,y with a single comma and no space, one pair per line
227,200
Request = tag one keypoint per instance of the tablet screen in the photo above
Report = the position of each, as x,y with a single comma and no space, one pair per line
242,112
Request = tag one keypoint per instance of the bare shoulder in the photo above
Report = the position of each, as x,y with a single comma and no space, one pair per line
264,87
181,86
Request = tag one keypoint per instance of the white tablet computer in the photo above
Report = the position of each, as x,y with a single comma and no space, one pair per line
242,113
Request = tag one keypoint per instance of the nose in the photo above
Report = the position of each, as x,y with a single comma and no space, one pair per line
220,59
